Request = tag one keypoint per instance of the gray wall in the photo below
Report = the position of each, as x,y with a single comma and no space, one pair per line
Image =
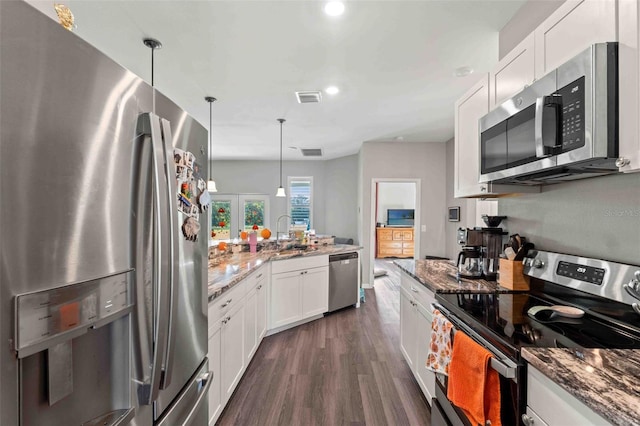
598,217
526,19
425,161
334,188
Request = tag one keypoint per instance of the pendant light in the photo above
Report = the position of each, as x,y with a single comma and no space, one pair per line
211,184
280,192
154,45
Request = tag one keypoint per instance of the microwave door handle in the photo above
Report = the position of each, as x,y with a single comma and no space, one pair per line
542,104
170,188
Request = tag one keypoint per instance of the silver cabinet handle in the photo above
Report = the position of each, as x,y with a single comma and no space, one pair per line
413,289
260,286
258,276
225,304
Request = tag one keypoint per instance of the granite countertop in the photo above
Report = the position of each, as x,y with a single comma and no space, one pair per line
439,276
228,270
605,380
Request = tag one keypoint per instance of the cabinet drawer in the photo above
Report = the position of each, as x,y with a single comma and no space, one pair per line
407,235
288,265
398,235
390,245
223,303
417,290
385,234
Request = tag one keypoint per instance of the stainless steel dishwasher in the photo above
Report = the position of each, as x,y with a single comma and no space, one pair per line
343,280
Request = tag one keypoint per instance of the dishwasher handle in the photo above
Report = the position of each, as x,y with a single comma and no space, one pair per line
342,256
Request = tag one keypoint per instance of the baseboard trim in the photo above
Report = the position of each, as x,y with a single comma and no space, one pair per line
294,324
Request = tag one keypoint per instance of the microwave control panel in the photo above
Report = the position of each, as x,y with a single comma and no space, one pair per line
573,115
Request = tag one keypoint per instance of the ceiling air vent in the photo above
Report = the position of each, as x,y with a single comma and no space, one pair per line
313,152
308,97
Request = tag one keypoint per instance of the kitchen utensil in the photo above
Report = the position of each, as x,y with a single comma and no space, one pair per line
560,310
492,221
514,242
510,253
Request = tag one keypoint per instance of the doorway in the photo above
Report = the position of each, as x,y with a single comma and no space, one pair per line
395,215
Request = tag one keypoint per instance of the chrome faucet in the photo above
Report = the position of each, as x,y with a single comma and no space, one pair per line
278,225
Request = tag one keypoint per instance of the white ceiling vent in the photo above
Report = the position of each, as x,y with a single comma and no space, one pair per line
308,97
312,152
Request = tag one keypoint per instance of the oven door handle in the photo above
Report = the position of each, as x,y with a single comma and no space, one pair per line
503,369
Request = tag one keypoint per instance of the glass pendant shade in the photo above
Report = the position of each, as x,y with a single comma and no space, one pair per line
280,192
211,186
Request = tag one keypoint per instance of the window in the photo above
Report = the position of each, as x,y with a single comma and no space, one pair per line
301,201
233,213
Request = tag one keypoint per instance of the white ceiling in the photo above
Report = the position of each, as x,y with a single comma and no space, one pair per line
392,60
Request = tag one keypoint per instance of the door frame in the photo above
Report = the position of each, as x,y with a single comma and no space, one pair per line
373,219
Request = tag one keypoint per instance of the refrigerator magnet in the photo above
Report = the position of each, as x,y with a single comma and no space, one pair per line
178,157
204,200
190,229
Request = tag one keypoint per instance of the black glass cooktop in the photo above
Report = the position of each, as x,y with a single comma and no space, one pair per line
502,319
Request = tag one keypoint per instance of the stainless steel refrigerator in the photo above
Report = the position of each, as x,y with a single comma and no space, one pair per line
103,308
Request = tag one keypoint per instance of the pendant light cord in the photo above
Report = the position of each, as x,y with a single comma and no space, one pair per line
211,100
281,120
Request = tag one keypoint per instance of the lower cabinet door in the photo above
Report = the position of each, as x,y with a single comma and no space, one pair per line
426,378
215,391
285,299
232,354
250,325
315,291
261,309
407,328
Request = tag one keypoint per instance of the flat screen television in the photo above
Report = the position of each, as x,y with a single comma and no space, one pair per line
400,217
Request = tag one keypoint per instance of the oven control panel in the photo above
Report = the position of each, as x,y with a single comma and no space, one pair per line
603,278
588,274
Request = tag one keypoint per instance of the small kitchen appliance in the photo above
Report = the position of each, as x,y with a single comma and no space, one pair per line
469,262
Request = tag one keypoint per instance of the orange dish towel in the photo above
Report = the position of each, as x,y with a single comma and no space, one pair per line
473,386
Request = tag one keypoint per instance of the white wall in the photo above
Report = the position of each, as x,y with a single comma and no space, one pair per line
424,161
334,188
395,195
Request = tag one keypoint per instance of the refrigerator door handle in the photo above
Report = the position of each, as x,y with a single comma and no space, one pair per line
172,215
161,261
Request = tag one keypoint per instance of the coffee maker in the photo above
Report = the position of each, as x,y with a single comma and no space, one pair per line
481,248
470,258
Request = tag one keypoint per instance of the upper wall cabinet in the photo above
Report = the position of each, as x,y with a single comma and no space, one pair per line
468,110
629,96
572,28
513,73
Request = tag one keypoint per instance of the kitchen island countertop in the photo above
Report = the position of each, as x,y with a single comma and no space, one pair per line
228,270
605,380
439,276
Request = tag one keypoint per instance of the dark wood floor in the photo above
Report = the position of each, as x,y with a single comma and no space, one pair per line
343,369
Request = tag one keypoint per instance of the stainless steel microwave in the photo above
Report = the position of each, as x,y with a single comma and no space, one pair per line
562,127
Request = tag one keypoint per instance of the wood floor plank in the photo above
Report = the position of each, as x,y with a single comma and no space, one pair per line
343,369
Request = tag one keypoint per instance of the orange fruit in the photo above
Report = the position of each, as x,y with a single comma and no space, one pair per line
265,233
244,235
222,245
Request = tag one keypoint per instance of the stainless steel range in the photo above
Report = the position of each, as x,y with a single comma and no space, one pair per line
603,312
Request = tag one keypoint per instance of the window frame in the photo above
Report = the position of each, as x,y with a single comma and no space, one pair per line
291,179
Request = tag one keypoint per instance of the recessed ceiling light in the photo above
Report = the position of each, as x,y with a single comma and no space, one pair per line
334,8
332,90
463,71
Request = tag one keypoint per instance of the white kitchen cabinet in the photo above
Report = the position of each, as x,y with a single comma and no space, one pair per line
571,29
514,72
299,290
232,343
261,302
550,405
408,328
468,110
415,331
315,291
629,95
215,390
285,299
250,325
